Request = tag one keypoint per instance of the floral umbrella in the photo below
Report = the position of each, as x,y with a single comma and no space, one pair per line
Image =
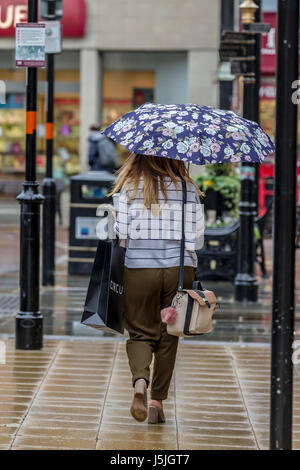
192,133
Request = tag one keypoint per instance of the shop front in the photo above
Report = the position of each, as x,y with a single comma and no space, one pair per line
66,118
268,108
103,73
268,78
131,79
12,134
67,97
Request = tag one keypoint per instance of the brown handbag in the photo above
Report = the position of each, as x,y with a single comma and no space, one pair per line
194,307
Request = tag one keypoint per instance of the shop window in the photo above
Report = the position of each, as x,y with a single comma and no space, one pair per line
123,91
12,134
67,133
13,122
141,96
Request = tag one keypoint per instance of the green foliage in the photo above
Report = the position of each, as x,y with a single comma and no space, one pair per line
224,179
221,169
229,187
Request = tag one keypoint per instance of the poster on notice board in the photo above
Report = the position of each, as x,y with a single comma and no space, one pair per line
30,45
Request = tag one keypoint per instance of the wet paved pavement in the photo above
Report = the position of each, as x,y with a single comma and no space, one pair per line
76,392
76,395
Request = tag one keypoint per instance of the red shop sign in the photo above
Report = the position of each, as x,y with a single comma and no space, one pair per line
15,11
268,45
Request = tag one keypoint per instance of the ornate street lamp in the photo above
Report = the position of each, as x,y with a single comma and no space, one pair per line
246,286
248,9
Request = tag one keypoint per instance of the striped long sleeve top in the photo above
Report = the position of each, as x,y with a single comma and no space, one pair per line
152,237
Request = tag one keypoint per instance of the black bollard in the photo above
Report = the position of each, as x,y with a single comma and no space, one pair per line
29,321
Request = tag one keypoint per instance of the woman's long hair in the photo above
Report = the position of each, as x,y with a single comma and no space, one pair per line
152,170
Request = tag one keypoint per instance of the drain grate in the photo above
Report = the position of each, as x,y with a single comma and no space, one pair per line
8,304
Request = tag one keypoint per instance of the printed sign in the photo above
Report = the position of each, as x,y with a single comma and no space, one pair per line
268,45
236,36
229,50
91,228
53,37
13,101
30,45
243,67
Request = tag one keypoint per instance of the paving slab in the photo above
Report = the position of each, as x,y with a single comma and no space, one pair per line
76,392
87,407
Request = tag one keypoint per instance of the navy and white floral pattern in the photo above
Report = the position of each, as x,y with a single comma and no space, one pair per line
192,133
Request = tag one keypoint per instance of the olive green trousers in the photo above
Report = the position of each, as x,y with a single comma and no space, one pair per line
147,291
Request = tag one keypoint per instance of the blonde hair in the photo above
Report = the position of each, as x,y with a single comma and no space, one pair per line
152,170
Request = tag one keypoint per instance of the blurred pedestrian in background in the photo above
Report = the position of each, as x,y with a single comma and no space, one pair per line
61,179
102,153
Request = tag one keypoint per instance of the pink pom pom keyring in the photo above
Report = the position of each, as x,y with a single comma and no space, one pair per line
168,315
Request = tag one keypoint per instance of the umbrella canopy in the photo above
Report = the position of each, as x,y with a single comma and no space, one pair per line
191,133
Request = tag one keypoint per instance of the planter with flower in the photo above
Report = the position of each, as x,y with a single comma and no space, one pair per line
221,185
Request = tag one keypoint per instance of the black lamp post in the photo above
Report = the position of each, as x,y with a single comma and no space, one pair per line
49,186
29,321
284,227
246,286
257,89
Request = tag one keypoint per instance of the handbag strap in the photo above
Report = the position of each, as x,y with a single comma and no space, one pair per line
182,244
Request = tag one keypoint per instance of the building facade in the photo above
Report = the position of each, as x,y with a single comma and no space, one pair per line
117,54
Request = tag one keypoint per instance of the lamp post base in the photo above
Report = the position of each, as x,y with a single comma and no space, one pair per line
245,288
29,331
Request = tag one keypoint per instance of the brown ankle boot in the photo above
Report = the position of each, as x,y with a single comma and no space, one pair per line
155,415
139,404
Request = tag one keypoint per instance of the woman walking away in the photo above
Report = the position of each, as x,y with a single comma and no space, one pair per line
149,220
